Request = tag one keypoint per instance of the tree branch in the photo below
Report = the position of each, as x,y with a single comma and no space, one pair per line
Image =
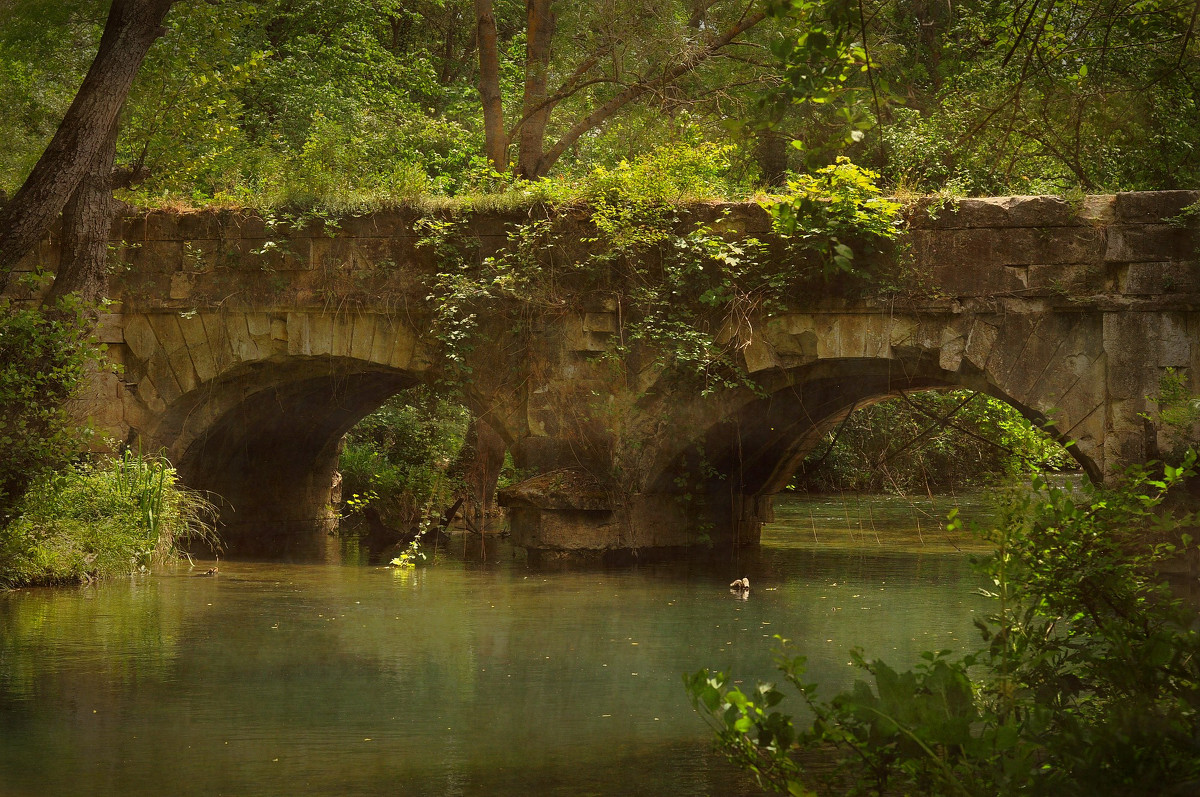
633,92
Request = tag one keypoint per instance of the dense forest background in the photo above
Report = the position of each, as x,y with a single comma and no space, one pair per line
352,103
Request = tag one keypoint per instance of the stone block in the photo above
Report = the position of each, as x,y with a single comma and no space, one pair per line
205,365
1152,206
1011,211
364,337
1066,279
200,257
110,328
201,226
244,347
1151,279
245,225
382,339
181,286
799,346
343,335
279,329
600,322
901,331
162,257
979,343
299,337
950,353
577,338
185,372
759,356
1174,342
258,324
1099,209
168,332
139,336
1150,243
402,349
876,335
162,378
217,335
381,224
320,334
1130,346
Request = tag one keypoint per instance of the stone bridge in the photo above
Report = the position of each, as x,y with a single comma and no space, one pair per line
248,348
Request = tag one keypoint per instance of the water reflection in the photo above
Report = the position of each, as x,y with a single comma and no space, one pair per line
460,678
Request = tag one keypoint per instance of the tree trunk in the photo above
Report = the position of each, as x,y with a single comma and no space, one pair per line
495,140
539,33
478,466
771,155
132,26
87,221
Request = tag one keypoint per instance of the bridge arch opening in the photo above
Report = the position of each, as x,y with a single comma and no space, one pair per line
753,452
264,440
418,463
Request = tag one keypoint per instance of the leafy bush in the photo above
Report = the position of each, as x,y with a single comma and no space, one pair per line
838,205
398,456
44,354
1088,681
114,517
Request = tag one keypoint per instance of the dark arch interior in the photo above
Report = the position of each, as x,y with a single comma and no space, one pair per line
271,458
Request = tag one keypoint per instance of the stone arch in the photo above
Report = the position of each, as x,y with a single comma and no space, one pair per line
812,370
252,407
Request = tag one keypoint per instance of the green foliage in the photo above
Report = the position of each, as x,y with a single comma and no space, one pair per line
1178,416
1088,681
407,558
397,457
364,103
837,206
1008,98
44,354
930,441
687,290
113,517
634,202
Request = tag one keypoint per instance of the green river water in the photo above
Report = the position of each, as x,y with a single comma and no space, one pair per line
463,677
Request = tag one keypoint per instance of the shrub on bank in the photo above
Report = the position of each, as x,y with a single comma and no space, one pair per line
44,354
1087,681
113,517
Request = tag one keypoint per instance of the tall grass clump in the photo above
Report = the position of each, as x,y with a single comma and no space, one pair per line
115,516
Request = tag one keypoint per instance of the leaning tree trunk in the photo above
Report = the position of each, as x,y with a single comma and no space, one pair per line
770,153
87,221
132,26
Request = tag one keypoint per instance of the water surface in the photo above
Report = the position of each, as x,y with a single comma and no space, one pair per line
463,677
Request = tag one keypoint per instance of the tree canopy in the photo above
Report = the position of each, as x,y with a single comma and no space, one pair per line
335,100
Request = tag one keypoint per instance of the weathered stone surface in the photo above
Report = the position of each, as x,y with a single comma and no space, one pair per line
1150,207
1012,211
240,364
567,488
